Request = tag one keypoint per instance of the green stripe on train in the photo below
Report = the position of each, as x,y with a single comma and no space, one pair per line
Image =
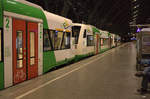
1,75
79,57
49,61
69,60
95,30
23,9
104,50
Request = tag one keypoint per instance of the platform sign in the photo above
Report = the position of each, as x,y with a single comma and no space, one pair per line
138,30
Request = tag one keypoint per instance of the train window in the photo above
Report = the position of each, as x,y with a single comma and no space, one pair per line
84,35
19,48
90,40
0,45
76,33
47,45
51,36
32,47
58,39
66,41
19,63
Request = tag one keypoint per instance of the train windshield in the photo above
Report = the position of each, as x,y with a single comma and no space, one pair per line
76,32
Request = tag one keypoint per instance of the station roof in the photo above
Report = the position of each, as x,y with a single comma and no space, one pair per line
115,16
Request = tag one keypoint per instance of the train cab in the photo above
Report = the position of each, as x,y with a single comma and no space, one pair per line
84,39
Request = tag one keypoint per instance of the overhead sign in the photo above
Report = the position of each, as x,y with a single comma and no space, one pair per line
138,30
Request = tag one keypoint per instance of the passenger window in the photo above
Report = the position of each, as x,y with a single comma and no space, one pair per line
51,36
19,48
90,40
32,48
66,41
84,35
47,45
58,40
76,33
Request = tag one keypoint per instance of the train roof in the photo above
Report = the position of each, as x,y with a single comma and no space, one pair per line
95,30
77,24
25,8
81,24
84,25
104,34
58,22
145,29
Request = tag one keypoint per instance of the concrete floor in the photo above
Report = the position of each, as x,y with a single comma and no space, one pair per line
106,76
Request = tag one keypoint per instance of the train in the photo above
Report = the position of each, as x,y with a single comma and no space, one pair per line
34,41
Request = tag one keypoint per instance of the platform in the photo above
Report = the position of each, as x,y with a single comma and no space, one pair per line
105,76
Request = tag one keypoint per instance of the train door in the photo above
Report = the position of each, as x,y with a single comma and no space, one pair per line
1,63
97,43
19,51
32,52
109,42
102,40
25,50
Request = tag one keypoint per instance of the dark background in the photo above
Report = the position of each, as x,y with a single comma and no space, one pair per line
115,16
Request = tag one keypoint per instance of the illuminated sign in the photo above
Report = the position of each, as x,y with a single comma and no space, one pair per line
88,30
66,24
138,30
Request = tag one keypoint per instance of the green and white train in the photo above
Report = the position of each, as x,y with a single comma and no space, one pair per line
33,41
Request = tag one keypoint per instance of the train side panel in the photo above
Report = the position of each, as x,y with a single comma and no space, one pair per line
61,42
8,51
19,24
104,41
1,48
